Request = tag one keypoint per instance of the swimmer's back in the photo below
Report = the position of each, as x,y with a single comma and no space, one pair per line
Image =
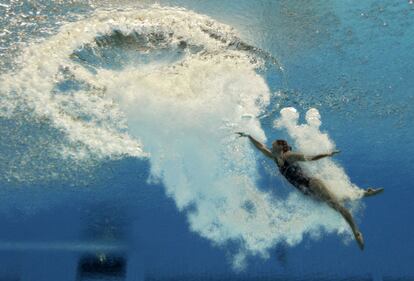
296,176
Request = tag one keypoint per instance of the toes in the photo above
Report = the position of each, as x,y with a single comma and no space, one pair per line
360,240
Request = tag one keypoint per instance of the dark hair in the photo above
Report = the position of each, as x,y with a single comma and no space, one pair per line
284,144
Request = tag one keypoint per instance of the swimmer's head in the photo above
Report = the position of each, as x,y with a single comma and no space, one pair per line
279,146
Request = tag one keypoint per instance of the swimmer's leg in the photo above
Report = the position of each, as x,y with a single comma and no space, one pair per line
372,191
323,193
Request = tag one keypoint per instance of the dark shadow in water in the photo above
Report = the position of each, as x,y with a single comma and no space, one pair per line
101,266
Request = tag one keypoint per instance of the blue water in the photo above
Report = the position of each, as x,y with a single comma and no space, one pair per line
352,61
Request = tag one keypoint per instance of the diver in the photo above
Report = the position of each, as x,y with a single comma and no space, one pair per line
286,160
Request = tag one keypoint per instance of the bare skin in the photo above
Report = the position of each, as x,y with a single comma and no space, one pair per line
318,187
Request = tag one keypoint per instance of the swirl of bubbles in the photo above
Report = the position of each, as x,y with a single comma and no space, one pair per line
167,85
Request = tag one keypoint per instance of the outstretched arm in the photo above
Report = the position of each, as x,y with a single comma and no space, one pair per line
320,156
295,156
260,146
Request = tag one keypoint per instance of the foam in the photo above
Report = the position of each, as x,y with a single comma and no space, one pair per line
181,116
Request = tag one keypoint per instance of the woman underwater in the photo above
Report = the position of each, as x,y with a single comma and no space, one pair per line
287,162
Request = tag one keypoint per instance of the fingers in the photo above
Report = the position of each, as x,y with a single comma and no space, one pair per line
335,152
241,134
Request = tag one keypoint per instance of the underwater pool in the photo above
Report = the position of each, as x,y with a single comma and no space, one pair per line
119,158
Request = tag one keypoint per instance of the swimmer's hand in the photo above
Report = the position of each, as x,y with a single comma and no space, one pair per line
241,134
318,156
334,152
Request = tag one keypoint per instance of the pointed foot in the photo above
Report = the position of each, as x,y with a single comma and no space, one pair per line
373,191
360,240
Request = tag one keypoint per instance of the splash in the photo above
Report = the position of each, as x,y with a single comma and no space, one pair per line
171,86
311,141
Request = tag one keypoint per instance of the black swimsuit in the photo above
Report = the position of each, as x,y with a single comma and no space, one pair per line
295,175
